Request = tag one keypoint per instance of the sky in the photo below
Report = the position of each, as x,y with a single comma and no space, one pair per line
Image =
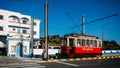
65,14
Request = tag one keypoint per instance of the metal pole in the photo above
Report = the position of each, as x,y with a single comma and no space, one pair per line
83,25
102,35
46,31
32,28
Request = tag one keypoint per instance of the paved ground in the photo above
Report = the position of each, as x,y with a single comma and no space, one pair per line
21,65
101,63
6,59
17,62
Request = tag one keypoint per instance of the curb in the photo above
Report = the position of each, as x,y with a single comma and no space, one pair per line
89,58
34,60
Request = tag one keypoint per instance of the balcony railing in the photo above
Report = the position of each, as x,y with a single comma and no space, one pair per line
17,32
19,23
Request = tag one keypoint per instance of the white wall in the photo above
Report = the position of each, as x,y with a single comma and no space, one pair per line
14,42
37,28
5,26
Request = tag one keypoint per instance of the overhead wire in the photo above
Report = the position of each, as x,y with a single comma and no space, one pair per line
93,21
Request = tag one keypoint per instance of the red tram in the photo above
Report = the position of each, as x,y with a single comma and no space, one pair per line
81,45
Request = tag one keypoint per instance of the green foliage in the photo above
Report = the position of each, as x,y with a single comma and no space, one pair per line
54,40
111,45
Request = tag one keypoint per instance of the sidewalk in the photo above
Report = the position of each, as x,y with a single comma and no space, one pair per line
8,60
33,60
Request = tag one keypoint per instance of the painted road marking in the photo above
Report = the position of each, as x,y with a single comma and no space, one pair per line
71,59
89,58
94,58
112,56
77,59
99,57
63,59
116,56
108,57
84,58
69,64
104,57
119,56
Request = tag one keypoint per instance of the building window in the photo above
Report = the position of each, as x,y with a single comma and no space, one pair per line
1,17
34,32
14,18
13,49
13,29
34,23
25,20
24,49
1,28
24,31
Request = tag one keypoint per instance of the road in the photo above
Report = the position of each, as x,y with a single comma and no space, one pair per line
106,63
94,63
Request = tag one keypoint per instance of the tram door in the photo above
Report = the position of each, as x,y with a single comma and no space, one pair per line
19,50
71,42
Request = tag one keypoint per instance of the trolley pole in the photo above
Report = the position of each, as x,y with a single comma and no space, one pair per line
45,54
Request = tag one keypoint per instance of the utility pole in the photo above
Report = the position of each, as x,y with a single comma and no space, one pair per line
32,29
102,35
83,25
45,54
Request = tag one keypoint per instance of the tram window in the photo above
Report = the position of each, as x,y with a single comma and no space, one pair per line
83,42
91,42
87,43
71,42
95,43
100,45
78,42
65,42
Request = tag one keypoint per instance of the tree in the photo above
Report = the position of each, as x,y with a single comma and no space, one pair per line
111,45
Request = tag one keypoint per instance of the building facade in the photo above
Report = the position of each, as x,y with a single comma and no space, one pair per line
17,31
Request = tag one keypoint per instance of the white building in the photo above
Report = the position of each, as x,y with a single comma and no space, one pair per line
17,31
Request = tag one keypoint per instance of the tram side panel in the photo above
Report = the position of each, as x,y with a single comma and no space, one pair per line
65,50
81,51
88,50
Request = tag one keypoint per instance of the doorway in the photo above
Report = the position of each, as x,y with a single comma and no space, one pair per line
19,49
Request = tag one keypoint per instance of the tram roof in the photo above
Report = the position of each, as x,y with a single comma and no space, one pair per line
78,35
